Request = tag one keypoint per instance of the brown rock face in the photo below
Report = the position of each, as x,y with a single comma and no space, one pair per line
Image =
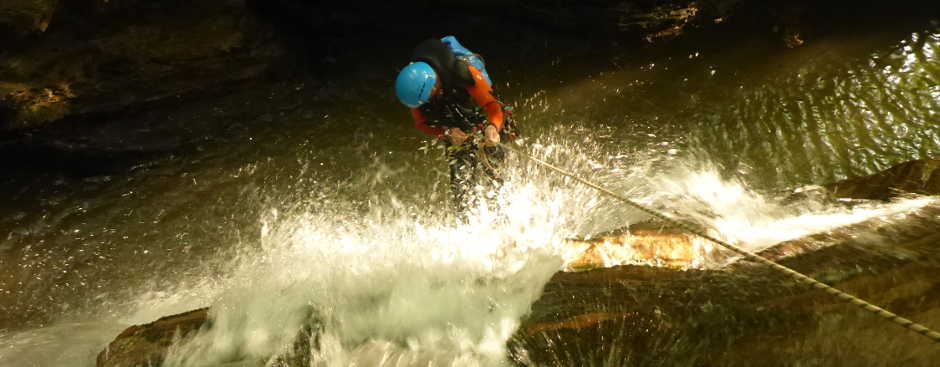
735,316
647,243
24,17
648,316
919,177
28,105
105,57
146,345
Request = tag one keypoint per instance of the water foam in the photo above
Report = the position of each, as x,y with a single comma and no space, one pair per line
384,288
749,219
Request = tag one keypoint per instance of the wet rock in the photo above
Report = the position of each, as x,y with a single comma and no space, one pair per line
732,317
646,243
146,345
918,177
125,55
661,21
791,26
24,17
605,18
29,106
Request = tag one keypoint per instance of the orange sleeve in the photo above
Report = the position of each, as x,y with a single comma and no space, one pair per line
482,94
421,124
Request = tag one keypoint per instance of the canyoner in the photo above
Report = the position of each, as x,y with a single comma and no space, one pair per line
450,95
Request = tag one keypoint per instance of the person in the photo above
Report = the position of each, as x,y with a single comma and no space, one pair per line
450,95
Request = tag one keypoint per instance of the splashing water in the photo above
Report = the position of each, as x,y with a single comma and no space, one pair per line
393,286
387,288
384,288
748,219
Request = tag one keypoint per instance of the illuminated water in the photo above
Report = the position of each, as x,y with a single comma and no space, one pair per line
337,211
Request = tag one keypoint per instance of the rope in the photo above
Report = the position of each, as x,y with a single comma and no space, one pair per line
883,313
485,158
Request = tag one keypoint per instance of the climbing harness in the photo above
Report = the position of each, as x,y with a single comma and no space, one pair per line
906,323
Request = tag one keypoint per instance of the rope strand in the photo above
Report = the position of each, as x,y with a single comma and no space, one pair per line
883,313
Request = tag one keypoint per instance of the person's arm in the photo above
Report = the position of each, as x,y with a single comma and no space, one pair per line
481,91
482,94
421,124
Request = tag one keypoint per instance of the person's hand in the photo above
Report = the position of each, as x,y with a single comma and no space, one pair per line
490,136
456,136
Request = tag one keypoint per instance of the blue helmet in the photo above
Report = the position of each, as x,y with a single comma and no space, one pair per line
414,84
